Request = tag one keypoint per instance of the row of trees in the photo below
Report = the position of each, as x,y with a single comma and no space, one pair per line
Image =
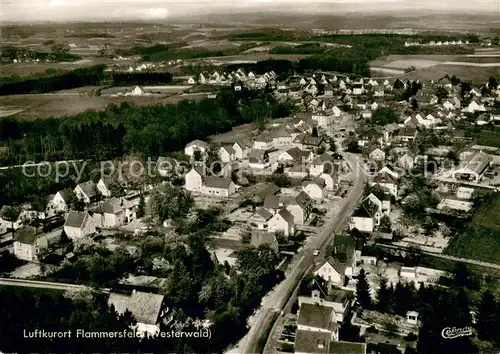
151,130
439,308
91,76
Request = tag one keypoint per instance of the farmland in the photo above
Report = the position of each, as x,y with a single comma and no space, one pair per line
481,240
31,107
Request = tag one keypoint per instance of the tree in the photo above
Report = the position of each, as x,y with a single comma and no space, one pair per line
171,203
141,209
332,146
314,132
384,116
363,291
385,224
11,214
441,93
488,321
384,297
60,48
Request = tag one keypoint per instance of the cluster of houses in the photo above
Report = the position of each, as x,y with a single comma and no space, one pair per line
101,210
237,78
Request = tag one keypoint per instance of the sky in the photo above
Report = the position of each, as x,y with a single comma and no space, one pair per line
70,10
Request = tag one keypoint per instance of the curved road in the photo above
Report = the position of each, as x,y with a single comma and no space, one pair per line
278,297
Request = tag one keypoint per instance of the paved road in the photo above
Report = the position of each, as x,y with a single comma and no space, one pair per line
445,256
41,284
279,296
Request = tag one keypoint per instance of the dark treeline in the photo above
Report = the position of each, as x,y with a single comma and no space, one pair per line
10,53
151,130
77,78
91,76
142,78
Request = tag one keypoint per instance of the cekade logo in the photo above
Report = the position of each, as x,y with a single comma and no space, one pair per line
454,332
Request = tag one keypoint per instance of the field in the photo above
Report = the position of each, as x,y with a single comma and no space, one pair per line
478,75
481,241
477,68
58,105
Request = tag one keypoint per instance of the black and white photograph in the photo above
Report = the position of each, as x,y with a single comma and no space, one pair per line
250,176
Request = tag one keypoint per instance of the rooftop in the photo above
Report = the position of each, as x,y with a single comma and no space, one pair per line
27,235
316,316
312,342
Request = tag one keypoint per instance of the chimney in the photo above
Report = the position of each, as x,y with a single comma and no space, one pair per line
315,294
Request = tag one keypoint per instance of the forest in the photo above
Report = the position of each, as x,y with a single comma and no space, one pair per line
91,76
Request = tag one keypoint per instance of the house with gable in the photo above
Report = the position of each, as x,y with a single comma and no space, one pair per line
86,192
282,222
79,224
300,206
193,180
28,243
315,189
260,219
387,182
227,153
366,217
60,202
195,145
332,271
376,154
218,186
148,310
320,163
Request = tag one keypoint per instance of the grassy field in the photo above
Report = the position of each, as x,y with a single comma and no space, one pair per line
481,241
478,75
58,105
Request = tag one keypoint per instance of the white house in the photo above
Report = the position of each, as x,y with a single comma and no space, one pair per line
263,142
227,153
193,180
332,271
86,192
319,164
240,150
79,224
388,182
377,154
315,189
282,222
475,106
28,243
195,145
324,119
104,187
60,202
473,168
258,159
366,217
299,206
115,212
218,187
147,309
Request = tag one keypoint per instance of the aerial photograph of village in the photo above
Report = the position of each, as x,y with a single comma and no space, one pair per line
253,176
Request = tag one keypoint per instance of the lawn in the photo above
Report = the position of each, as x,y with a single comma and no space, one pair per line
481,240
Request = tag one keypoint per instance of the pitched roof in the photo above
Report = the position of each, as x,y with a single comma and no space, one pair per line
89,188
145,307
285,214
197,143
323,158
297,154
229,149
76,219
312,341
268,189
366,210
315,316
217,182
271,202
303,199
112,206
67,195
384,177
265,214
336,264
264,238
27,235
347,348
